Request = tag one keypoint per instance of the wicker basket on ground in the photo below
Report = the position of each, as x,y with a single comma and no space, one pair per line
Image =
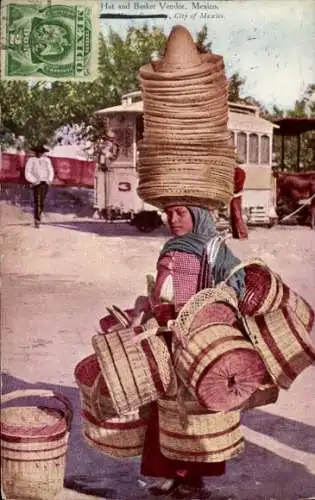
34,443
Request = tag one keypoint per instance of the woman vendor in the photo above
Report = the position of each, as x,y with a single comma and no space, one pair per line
180,274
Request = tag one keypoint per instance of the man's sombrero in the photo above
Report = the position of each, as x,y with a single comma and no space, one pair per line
39,148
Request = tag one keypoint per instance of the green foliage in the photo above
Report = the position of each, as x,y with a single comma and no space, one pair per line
236,83
36,110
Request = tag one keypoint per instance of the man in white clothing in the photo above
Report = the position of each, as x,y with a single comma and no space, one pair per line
39,173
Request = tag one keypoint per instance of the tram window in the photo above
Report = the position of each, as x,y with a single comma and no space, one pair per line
264,149
253,148
139,127
242,145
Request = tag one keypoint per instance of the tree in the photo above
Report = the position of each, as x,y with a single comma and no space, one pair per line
201,41
303,108
236,82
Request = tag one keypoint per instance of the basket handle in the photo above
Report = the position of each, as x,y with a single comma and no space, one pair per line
119,315
42,393
242,265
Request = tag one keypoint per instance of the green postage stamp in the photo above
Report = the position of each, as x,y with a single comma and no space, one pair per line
49,39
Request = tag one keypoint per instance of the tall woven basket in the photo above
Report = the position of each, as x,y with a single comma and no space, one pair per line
283,343
34,444
189,432
137,368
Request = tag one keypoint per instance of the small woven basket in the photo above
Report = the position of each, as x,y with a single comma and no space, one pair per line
93,391
197,305
219,367
137,369
34,443
263,288
119,436
283,343
199,436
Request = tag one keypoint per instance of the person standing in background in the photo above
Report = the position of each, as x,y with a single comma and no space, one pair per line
39,173
239,228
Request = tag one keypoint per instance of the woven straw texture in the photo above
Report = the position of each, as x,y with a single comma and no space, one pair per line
34,444
198,304
120,436
219,367
137,369
217,312
299,306
263,289
202,437
185,106
283,343
266,292
93,391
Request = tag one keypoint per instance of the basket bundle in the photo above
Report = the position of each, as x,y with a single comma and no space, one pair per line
185,109
137,368
200,436
283,343
34,443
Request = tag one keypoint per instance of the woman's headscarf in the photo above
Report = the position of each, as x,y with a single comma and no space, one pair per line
203,230
195,242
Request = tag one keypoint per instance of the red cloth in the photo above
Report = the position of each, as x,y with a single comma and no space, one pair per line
68,171
185,270
239,179
239,229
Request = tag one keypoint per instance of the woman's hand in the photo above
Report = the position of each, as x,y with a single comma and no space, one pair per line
142,305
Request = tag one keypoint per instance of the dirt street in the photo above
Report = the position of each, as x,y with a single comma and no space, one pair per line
56,282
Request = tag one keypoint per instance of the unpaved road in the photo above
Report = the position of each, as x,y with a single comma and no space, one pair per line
56,283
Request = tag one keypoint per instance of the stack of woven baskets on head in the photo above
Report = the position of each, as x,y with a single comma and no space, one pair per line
186,155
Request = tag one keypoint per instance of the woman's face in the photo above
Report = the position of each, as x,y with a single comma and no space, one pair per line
179,220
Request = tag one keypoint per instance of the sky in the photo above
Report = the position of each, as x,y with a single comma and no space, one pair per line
269,42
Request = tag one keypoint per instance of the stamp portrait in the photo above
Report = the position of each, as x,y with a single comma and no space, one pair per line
49,39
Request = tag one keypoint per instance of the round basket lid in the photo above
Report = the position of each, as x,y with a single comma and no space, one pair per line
28,423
